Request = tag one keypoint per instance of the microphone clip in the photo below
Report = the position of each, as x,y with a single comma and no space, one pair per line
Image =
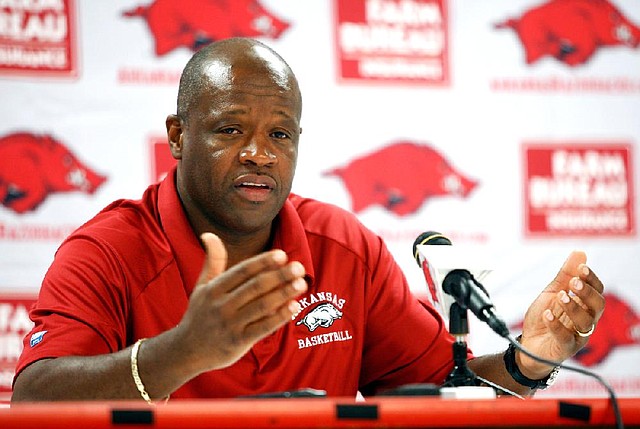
461,375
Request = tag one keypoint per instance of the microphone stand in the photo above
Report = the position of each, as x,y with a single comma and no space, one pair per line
461,375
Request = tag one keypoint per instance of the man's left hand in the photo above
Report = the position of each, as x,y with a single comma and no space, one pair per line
558,323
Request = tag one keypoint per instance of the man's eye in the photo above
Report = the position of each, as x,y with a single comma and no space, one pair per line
280,135
229,131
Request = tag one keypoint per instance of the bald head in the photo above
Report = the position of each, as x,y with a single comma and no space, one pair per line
220,64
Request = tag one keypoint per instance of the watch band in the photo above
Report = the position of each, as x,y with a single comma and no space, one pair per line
509,358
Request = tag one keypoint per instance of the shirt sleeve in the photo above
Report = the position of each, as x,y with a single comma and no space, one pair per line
406,339
81,307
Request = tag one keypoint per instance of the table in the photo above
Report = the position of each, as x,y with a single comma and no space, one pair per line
390,412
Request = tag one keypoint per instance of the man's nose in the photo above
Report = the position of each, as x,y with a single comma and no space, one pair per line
258,151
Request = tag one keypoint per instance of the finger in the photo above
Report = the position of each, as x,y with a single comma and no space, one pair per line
568,270
557,312
247,270
567,339
215,260
555,323
574,316
267,325
279,286
269,303
589,277
587,297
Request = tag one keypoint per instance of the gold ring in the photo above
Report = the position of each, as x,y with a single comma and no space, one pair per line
588,333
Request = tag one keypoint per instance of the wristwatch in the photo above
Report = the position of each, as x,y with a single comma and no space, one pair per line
513,370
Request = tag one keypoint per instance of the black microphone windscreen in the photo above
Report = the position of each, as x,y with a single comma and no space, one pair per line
429,237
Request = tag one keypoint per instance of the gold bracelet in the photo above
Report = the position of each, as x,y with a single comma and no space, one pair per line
136,374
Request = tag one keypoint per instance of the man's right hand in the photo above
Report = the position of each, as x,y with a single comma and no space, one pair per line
230,310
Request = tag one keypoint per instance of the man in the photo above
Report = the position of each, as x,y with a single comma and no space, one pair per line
219,283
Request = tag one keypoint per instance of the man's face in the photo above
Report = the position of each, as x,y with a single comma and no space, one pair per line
238,151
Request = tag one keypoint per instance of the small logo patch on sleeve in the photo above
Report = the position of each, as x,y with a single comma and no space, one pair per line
36,338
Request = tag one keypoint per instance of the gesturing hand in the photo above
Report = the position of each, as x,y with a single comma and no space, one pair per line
571,304
229,311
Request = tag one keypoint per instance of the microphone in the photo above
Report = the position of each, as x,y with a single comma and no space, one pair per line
429,271
458,283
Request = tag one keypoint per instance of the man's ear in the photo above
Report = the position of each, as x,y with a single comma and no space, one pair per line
174,135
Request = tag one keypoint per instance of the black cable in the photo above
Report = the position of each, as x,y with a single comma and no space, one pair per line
612,395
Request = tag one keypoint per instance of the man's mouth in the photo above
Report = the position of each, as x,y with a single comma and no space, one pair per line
254,185
255,188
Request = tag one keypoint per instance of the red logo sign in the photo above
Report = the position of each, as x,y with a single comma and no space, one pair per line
34,166
14,325
400,41
577,189
572,30
38,37
194,23
390,178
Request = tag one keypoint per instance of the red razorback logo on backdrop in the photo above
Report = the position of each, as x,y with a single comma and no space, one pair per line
572,30
619,326
34,166
194,23
400,177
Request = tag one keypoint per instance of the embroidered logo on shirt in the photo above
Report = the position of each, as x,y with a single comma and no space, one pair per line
36,338
324,308
323,315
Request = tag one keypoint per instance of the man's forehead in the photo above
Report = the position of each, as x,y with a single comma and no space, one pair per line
228,69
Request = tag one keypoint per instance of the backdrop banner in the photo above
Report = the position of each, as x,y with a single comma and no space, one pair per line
511,125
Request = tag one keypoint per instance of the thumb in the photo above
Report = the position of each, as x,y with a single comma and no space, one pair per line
568,271
215,260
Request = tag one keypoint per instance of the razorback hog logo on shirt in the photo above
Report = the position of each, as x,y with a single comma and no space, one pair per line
400,177
572,30
619,326
195,23
322,315
34,166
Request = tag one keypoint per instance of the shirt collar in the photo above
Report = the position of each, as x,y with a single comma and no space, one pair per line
291,236
186,247
188,252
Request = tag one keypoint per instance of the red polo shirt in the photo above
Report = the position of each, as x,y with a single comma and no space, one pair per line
128,273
